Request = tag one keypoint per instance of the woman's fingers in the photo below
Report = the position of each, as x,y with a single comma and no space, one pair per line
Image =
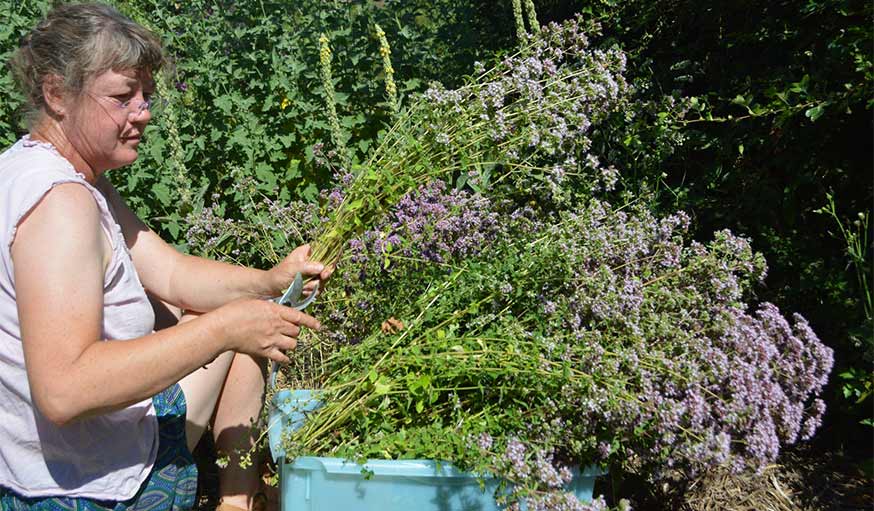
277,355
327,272
323,276
290,330
287,343
299,318
299,261
311,268
301,253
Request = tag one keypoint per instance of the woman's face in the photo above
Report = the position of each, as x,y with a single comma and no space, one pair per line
107,121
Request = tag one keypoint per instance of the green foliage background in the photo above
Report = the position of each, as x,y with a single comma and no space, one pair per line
244,100
781,97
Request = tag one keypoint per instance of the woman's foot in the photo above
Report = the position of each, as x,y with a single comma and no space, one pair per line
259,503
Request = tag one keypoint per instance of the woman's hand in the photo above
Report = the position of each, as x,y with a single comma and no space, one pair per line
261,328
281,275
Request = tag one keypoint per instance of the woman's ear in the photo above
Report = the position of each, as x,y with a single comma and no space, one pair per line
53,93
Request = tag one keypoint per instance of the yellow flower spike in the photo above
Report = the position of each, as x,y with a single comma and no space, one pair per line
531,12
330,100
390,87
177,152
324,48
520,22
284,104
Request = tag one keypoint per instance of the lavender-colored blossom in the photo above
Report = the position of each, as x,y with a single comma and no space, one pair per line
814,420
434,224
549,307
514,457
604,450
748,375
485,441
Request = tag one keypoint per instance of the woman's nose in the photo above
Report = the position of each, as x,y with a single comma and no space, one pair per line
141,114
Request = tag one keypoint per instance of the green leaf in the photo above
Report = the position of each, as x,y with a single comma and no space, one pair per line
162,192
239,137
156,148
424,381
173,228
293,169
364,145
225,103
310,192
287,140
382,386
783,96
265,174
815,113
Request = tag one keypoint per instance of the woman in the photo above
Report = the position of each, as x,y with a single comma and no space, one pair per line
94,401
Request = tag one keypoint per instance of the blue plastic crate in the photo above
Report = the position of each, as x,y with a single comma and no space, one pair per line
287,413
329,484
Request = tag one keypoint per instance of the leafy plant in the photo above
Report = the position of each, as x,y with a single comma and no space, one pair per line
858,383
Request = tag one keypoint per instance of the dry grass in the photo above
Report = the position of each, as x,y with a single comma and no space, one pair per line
724,491
807,479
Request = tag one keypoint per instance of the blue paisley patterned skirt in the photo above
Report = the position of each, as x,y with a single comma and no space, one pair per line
171,486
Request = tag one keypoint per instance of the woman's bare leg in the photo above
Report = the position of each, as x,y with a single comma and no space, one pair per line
238,408
227,393
202,390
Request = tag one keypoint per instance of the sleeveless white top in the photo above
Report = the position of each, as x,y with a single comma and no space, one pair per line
105,457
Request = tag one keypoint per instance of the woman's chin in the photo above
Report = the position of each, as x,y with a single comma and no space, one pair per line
131,146
125,158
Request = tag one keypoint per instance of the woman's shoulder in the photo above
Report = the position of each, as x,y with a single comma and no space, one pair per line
29,170
30,163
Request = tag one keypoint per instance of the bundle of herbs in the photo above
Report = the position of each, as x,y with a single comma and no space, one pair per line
492,309
543,341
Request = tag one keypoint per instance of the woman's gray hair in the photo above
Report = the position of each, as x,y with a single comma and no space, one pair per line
78,42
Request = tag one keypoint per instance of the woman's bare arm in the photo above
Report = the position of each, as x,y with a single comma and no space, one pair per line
194,283
59,256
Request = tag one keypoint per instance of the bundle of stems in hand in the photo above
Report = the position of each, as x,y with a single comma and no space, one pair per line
536,106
